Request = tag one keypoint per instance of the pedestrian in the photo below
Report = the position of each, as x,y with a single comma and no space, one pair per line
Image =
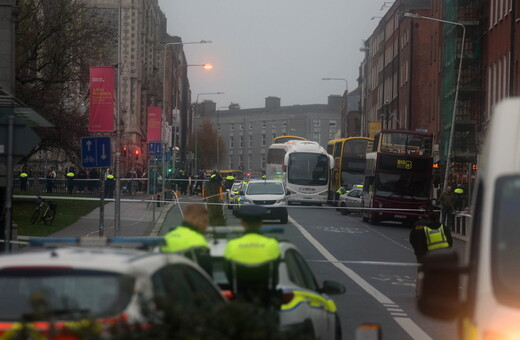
24,178
49,180
82,176
110,184
183,186
188,238
251,261
70,180
447,201
428,235
459,198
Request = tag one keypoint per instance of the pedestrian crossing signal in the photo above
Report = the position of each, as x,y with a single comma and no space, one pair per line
136,152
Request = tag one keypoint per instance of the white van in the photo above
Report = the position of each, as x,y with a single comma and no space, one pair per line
483,293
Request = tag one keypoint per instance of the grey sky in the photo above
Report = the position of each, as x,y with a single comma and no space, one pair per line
276,48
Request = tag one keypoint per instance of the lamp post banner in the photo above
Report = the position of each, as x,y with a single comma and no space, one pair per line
153,133
101,118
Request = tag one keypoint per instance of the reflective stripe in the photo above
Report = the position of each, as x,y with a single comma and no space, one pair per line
252,249
314,300
110,177
459,191
436,238
70,174
23,175
182,238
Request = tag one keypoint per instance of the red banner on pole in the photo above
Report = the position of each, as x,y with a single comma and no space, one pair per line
153,133
101,99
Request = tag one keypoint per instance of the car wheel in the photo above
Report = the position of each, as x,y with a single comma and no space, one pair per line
343,211
337,328
307,331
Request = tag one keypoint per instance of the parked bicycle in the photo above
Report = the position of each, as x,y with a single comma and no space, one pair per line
45,211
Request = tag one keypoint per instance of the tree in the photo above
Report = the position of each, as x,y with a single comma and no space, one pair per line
204,146
56,43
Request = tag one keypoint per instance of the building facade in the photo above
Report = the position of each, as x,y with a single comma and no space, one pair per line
248,133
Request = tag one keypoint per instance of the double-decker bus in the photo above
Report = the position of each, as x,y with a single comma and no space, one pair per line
398,176
349,163
307,172
283,139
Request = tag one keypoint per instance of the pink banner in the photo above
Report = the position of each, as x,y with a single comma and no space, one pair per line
101,99
153,133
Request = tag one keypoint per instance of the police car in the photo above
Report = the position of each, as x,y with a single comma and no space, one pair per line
350,199
96,283
306,307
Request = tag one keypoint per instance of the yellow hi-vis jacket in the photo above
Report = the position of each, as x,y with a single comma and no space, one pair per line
23,175
436,238
252,249
182,239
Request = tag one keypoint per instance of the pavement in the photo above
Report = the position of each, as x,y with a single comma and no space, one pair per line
138,218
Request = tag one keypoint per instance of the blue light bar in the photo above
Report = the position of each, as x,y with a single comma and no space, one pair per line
97,241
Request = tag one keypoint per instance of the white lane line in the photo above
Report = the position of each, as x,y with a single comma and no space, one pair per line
395,310
404,264
400,315
407,324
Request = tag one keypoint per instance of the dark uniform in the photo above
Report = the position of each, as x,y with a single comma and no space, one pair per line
252,261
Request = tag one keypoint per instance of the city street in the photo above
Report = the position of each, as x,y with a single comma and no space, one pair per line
375,263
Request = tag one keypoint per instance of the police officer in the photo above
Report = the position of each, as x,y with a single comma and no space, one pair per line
188,238
230,179
458,204
427,235
252,261
110,185
70,180
23,180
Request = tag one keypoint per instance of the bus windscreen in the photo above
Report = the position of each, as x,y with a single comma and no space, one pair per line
308,169
402,186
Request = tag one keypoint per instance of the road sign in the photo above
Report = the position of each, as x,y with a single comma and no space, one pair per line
95,152
154,149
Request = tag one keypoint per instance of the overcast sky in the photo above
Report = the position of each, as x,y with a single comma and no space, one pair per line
276,48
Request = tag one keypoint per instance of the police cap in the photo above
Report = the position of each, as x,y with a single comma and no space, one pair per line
252,213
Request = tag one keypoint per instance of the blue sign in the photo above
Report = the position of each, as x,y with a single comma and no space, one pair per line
95,152
154,149
167,156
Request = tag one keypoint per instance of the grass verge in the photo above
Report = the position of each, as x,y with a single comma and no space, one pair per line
68,212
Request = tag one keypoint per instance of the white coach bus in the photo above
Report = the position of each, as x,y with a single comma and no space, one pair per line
306,171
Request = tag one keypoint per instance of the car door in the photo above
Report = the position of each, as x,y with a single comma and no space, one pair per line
301,275
353,199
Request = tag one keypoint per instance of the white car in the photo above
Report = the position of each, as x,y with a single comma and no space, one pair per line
306,307
350,199
270,194
104,284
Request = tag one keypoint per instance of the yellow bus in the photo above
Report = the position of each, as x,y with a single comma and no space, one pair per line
283,139
349,163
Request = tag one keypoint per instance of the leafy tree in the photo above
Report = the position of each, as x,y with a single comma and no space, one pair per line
56,43
204,146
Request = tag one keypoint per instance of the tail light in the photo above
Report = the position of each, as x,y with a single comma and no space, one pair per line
228,294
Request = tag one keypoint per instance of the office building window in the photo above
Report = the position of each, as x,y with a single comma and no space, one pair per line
262,161
250,126
316,137
231,127
284,124
316,122
263,140
274,125
241,126
250,143
231,146
264,124
241,142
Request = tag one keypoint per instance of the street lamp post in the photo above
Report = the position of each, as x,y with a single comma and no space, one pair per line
343,117
196,129
452,130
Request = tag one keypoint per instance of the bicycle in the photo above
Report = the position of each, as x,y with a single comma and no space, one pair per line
45,212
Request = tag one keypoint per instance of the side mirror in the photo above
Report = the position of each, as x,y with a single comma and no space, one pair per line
439,294
332,288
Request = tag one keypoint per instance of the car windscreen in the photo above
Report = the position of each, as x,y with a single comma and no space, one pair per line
265,188
62,293
506,236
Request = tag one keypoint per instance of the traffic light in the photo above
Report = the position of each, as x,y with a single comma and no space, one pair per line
170,170
136,152
124,150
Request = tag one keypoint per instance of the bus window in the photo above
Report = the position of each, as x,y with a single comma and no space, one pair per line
275,156
337,149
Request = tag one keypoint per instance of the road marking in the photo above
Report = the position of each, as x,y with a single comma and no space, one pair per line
376,263
406,323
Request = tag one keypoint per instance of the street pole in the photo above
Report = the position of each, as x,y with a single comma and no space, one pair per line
452,130
117,203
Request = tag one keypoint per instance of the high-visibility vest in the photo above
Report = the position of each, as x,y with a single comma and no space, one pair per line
23,175
436,238
341,191
110,177
459,191
230,178
182,239
252,250
70,174
213,176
